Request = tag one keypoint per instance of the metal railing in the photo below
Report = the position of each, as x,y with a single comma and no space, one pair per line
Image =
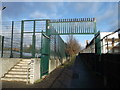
114,42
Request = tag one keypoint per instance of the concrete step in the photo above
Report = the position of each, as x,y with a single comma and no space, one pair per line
14,79
27,60
18,66
22,64
16,75
16,72
19,69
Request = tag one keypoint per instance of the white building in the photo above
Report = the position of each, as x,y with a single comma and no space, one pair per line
106,43
108,40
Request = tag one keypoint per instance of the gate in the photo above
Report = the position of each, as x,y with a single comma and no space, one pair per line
45,51
31,38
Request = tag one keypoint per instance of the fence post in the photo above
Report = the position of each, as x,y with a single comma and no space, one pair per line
33,41
95,34
21,43
113,45
48,42
2,46
11,55
107,44
95,28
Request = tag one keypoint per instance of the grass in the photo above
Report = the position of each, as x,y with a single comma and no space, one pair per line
38,81
71,62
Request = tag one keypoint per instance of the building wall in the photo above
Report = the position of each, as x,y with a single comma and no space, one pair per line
102,34
91,48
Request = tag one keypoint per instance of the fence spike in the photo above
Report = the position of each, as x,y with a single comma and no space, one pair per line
75,19
83,19
87,19
80,19
67,19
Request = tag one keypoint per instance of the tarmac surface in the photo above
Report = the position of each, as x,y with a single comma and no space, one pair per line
74,76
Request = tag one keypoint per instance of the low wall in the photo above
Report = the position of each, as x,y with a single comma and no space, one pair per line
6,64
54,64
35,70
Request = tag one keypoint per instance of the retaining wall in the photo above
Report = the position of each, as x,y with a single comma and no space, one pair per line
53,64
106,65
35,70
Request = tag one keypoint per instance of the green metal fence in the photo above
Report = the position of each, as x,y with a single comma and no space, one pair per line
31,37
57,47
28,38
22,38
97,43
1,45
11,43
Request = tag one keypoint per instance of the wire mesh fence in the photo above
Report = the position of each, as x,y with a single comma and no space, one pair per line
23,38
57,47
12,31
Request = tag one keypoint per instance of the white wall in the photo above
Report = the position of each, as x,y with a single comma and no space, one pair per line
102,34
91,48
53,64
35,70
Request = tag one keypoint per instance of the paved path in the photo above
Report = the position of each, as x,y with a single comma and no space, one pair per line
83,77
76,76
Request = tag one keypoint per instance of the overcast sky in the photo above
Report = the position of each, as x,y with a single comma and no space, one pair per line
106,13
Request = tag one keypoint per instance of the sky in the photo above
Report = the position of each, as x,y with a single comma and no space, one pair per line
106,13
